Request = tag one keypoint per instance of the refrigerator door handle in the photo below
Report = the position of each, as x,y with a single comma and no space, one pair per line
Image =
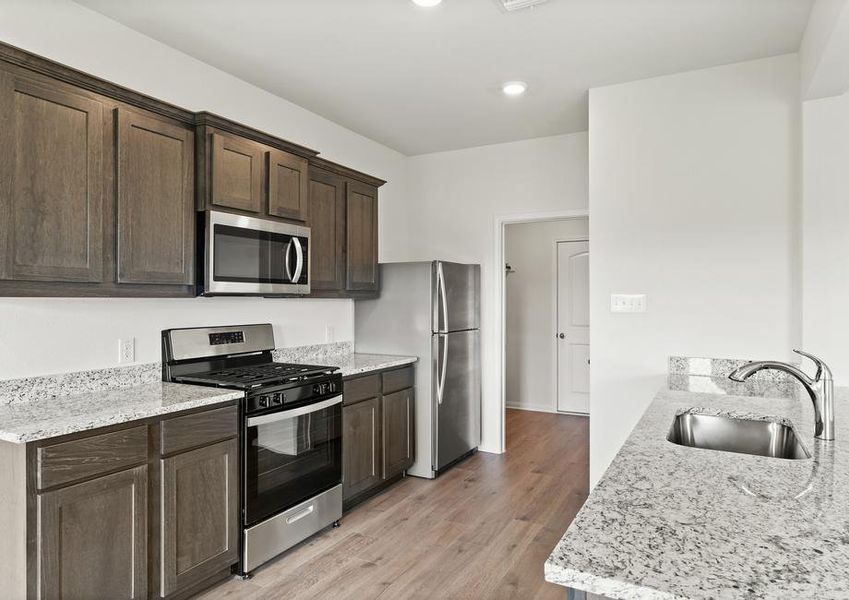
443,299
440,372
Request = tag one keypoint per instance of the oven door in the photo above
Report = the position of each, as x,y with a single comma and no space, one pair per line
246,255
290,456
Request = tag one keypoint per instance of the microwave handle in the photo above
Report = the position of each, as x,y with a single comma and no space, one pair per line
299,256
286,260
283,415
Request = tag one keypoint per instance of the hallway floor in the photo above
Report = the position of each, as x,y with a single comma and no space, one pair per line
481,530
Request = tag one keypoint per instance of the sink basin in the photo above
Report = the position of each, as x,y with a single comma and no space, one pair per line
744,436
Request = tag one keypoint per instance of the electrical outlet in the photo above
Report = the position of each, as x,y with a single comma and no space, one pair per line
329,334
127,350
627,303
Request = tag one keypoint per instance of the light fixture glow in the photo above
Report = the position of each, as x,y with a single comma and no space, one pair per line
514,88
426,3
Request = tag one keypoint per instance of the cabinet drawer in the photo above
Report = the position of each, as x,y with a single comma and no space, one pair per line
361,388
78,459
399,379
199,429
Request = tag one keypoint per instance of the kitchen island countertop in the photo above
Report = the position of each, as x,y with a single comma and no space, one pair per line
671,522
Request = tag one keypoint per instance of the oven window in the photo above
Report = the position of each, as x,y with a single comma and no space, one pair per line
290,460
248,255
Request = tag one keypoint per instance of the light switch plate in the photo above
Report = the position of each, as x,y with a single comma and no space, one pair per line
627,303
127,350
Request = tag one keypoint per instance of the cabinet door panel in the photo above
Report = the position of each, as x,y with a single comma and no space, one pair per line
397,410
287,185
236,173
155,201
361,215
327,223
51,201
360,447
200,514
93,538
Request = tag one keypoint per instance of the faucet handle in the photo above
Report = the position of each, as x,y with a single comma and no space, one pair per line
822,368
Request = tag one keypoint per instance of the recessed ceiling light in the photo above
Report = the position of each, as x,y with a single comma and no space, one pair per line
426,3
514,88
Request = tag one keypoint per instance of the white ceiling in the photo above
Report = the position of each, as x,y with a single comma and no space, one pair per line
426,80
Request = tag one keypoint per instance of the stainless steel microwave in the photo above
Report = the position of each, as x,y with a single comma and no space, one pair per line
252,256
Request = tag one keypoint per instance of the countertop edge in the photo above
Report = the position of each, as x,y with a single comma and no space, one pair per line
604,586
391,362
123,418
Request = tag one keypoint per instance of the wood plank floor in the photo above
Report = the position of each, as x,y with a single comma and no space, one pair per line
481,530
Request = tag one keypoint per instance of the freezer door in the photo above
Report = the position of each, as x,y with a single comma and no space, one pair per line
456,395
456,296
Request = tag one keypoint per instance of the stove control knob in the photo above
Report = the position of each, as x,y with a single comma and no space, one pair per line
263,401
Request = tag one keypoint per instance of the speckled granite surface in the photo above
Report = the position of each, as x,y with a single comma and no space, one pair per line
764,388
45,387
54,416
720,367
357,363
670,522
342,355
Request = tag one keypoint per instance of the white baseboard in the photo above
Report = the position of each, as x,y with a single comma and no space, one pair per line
533,407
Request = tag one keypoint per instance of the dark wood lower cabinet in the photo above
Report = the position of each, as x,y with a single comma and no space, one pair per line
92,538
397,428
377,432
200,529
360,446
107,514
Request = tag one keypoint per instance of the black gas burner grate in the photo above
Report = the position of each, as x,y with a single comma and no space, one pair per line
253,376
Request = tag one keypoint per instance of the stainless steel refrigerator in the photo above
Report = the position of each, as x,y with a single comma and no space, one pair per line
431,310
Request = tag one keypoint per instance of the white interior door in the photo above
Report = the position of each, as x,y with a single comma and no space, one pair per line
573,327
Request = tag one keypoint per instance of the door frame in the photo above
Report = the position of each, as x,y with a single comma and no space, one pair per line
500,301
556,322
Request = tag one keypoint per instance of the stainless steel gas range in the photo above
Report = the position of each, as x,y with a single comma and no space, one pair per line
291,437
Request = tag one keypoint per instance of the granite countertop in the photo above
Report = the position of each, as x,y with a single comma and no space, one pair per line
357,363
61,415
36,408
670,522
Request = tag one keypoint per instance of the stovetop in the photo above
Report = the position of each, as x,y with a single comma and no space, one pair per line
253,376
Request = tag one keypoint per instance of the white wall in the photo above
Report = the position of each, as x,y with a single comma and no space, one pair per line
826,231
454,198
824,51
531,315
73,35
694,197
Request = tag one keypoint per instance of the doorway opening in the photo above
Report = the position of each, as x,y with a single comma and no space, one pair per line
546,322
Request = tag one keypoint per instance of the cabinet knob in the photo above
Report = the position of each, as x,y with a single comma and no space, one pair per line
562,336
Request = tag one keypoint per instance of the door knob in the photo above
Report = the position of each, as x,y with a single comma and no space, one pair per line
562,336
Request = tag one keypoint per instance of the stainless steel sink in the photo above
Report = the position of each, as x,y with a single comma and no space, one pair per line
744,436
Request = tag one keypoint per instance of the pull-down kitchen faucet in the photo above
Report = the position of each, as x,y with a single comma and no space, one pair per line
820,388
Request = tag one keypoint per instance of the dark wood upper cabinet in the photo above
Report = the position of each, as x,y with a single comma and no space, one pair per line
156,218
51,173
327,225
99,184
92,538
361,216
236,173
288,184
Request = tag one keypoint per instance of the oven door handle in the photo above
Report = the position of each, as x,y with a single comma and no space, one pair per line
283,415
